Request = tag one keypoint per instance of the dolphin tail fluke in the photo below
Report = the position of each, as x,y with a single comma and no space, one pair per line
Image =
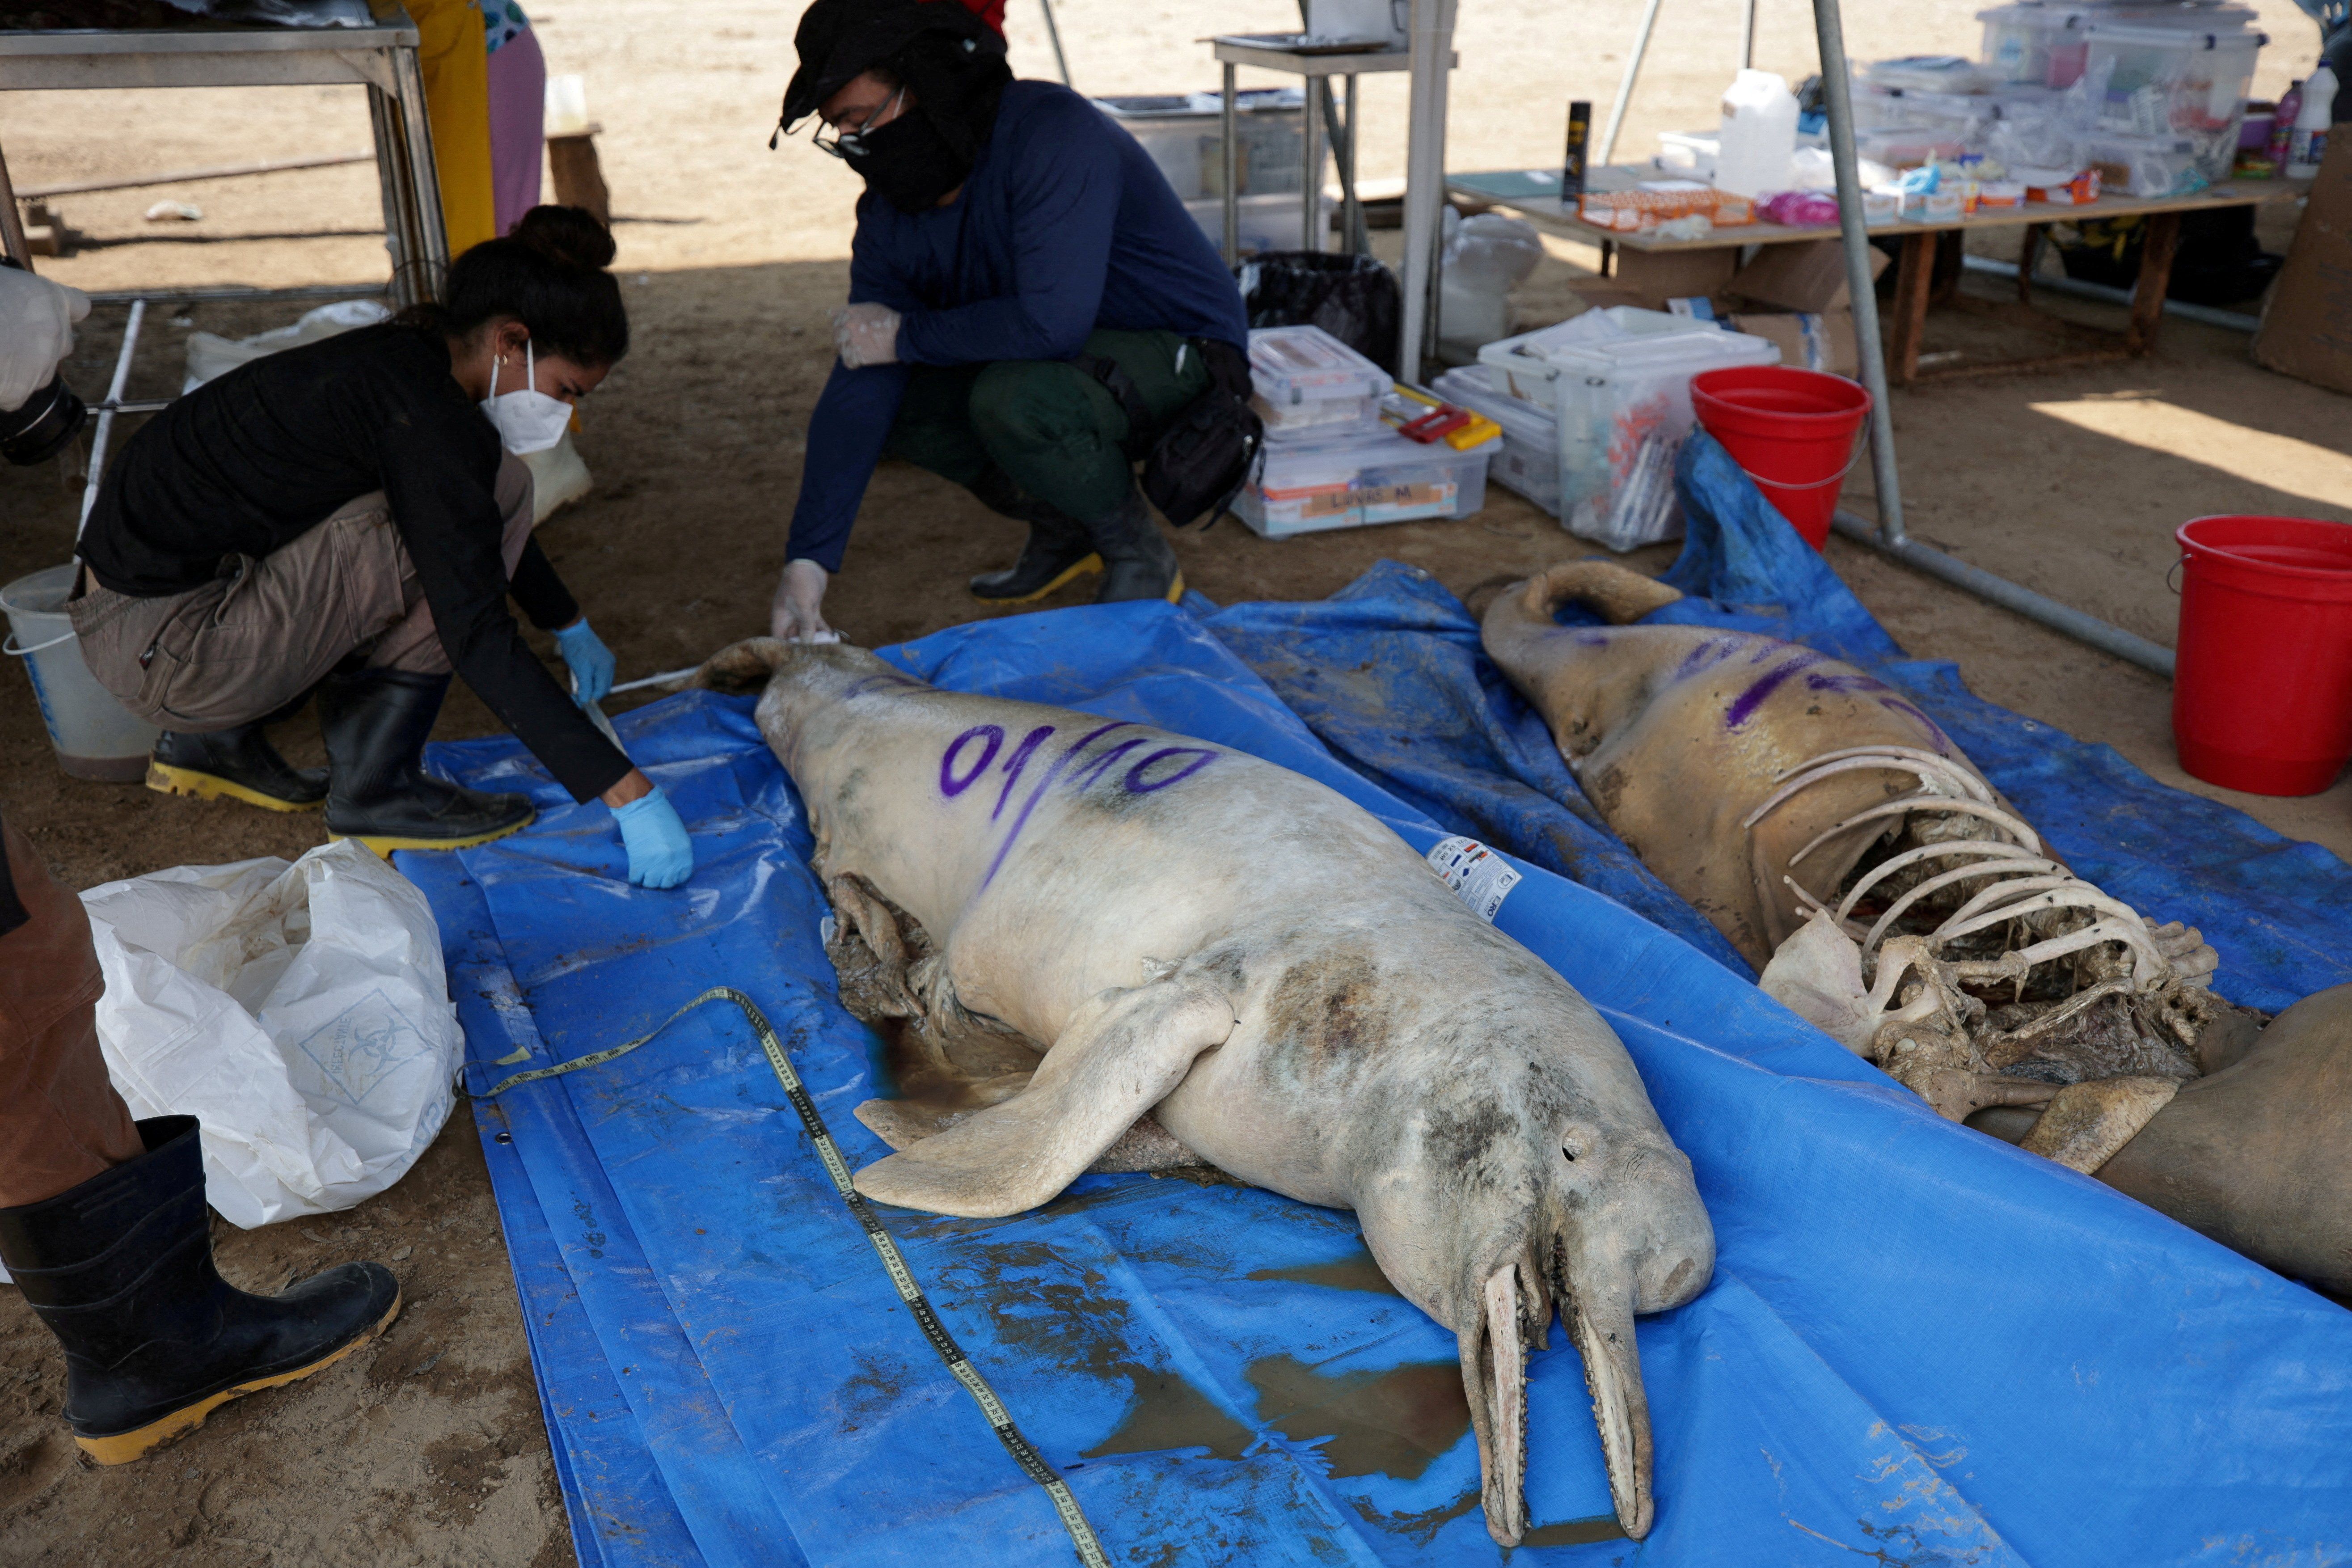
1619,595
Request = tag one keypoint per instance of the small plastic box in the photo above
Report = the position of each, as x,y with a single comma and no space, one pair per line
1528,461
1311,487
1309,383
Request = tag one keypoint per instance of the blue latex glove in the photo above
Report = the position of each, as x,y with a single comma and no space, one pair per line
660,854
591,661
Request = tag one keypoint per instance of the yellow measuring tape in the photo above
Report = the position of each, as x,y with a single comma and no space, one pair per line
1082,1534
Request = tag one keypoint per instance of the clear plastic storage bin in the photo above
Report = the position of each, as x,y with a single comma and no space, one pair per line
1185,134
1527,459
1311,487
1309,383
1617,383
2183,78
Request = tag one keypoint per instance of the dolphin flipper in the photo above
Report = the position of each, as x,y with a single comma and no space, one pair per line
1119,1056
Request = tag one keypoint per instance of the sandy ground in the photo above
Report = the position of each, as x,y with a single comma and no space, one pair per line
430,1448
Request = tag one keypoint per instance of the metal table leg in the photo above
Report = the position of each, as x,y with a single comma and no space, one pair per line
1351,215
12,228
1231,151
1310,190
2029,256
425,268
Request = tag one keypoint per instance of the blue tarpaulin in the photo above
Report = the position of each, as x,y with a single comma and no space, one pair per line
1921,1346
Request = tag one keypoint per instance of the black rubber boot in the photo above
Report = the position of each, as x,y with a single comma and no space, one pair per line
1137,563
1056,551
120,1269
376,722
234,765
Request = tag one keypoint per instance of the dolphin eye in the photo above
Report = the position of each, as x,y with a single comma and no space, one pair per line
1569,1150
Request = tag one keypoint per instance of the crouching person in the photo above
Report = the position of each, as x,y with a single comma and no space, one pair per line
340,517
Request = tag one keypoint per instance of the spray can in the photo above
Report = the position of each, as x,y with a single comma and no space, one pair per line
2309,146
1580,137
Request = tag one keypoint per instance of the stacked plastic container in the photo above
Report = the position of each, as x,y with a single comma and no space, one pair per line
1617,384
2154,92
1329,461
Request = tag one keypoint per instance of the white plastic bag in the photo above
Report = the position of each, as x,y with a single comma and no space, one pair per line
211,355
299,1012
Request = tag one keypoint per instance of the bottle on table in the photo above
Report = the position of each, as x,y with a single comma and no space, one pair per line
2290,104
2308,147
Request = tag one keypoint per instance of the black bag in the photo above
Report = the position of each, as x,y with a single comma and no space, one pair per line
1353,298
1199,462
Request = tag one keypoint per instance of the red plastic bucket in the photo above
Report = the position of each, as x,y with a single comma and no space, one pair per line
1790,430
2261,696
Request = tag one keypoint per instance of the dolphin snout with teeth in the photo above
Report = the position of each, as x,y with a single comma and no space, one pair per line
1199,957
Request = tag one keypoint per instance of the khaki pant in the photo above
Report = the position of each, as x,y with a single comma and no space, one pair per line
60,1120
266,629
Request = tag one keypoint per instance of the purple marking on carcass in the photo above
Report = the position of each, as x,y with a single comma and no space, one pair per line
1843,683
952,786
1138,785
1015,762
1897,705
1743,710
1012,833
1101,765
1712,651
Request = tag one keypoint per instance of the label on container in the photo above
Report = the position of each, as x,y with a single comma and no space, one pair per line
1480,878
1401,504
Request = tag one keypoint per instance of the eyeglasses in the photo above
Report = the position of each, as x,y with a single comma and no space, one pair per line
850,142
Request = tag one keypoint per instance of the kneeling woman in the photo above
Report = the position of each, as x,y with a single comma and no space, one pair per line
342,517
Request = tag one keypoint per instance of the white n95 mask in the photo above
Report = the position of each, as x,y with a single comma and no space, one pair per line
529,420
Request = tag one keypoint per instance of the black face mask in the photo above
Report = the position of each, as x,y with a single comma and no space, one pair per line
908,162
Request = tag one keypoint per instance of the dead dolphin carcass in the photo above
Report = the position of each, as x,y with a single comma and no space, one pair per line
1837,837
1252,969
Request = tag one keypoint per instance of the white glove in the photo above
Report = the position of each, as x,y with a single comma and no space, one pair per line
36,320
796,616
865,334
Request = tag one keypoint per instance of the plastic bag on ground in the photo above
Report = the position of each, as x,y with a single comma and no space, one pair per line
211,355
299,1012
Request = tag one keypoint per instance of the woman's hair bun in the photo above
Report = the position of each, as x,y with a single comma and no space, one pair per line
568,236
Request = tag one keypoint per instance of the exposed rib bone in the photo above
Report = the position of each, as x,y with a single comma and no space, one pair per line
1997,866
1988,848
1922,764
1903,805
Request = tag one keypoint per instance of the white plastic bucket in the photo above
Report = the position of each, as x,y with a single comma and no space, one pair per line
95,736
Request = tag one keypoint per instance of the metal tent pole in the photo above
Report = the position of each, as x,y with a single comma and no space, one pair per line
1748,39
1888,536
1625,85
1424,180
1054,32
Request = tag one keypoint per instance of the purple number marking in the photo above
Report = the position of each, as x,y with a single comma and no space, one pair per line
1138,785
1015,762
955,777
952,786
1740,712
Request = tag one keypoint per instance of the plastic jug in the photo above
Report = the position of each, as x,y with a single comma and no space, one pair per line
1758,135
2307,144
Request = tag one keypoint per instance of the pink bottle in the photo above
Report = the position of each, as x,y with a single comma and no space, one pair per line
2283,124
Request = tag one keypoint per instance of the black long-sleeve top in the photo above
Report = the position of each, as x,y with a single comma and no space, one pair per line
250,462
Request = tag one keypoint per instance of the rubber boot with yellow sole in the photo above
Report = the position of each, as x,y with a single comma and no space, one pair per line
120,1269
1055,552
233,764
376,722
1138,562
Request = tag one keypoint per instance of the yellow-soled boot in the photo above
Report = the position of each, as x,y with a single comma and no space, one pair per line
120,1269
376,722
233,764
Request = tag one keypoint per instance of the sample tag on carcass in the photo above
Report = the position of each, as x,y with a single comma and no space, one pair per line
1480,876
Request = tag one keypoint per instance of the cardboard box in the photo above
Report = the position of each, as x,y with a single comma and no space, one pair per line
1808,276
1650,277
2307,326
1821,339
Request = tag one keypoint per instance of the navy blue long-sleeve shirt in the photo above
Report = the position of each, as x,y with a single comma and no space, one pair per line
1065,227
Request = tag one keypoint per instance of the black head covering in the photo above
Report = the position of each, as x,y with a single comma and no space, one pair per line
839,40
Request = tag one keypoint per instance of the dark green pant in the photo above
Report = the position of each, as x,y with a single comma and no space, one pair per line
1055,430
